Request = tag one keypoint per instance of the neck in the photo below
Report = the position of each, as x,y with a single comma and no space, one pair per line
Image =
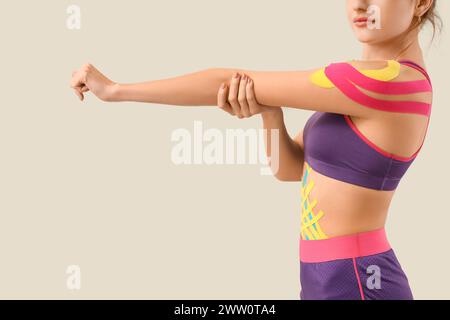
400,48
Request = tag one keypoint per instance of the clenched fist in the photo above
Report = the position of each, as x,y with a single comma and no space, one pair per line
88,78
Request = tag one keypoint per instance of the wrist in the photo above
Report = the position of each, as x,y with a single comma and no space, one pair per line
116,92
273,112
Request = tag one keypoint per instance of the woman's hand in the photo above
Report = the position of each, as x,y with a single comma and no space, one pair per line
239,100
88,78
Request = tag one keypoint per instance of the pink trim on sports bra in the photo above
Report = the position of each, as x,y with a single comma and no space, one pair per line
416,66
378,86
378,149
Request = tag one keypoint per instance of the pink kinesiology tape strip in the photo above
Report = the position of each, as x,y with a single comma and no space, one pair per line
345,77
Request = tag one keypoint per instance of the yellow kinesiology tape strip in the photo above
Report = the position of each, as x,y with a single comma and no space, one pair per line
390,72
310,229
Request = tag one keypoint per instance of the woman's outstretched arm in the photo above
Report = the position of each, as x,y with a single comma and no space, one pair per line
334,91
192,89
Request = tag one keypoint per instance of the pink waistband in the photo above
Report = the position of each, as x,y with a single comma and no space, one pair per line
344,247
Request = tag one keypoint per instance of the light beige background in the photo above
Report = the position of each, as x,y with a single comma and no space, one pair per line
92,184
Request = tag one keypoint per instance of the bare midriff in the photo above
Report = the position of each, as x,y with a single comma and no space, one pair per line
346,208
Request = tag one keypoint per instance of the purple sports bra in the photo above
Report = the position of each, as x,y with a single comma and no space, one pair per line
334,147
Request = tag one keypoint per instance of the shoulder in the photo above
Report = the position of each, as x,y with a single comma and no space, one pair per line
380,85
397,70
380,76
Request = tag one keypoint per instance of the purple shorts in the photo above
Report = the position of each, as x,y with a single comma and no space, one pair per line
361,266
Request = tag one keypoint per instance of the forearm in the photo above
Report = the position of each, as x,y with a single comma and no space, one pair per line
290,154
194,89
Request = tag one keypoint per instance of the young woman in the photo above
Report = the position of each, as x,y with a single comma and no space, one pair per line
370,122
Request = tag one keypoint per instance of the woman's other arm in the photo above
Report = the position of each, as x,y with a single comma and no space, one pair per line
290,157
239,100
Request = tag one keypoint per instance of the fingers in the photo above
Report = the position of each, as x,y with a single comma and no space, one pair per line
77,85
78,80
239,99
80,91
233,95
79,94
254,106
242,97
222,100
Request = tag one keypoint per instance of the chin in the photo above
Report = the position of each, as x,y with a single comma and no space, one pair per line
366,40
367,37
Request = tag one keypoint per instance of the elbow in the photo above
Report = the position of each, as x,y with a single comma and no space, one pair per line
287,177
292,173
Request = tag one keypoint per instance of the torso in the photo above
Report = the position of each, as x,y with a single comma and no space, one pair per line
350,208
